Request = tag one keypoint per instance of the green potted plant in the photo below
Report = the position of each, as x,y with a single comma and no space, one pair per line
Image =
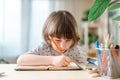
2,61
99,6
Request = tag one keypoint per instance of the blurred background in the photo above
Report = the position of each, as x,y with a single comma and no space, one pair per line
21,23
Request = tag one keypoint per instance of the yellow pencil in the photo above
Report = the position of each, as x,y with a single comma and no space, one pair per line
56,45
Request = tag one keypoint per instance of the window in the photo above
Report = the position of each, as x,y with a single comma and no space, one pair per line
39,12
10,22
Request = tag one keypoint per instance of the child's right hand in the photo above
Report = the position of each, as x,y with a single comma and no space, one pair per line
61,61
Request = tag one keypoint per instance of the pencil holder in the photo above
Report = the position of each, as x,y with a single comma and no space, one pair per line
108,62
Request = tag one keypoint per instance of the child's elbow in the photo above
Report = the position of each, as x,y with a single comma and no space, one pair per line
20,60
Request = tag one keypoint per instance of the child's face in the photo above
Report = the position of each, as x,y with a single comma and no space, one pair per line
63,43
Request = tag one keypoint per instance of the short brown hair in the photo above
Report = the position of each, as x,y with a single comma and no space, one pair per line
60,24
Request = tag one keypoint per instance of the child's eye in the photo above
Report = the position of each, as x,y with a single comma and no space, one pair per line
57,40
68,40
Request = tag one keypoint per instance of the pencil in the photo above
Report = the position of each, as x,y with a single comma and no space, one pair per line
115,58
56,45
104,62
61,52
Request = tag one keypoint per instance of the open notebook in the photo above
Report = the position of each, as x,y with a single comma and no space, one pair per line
72,66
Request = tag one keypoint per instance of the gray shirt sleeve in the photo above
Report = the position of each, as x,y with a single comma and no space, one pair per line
82,57
77,53
42,50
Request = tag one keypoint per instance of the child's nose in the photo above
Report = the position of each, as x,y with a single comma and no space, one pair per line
63,46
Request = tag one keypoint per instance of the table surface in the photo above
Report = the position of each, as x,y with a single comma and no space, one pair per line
11,74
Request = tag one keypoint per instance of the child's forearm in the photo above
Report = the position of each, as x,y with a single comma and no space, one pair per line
30,59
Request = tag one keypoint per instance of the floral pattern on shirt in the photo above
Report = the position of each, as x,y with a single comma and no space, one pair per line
77,52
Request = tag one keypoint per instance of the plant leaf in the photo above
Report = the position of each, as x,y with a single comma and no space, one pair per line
117,18
114,6
97,9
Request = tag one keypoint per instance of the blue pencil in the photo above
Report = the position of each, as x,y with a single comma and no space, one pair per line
98,54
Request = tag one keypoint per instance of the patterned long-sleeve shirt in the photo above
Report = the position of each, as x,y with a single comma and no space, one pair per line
77,53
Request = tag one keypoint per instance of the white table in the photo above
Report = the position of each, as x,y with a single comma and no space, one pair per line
11,74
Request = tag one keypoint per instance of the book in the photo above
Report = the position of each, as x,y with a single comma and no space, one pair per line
71,66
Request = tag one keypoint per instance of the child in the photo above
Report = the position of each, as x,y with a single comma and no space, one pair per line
62,27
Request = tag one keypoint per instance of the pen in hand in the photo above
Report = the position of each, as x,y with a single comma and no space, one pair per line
55,44
65,60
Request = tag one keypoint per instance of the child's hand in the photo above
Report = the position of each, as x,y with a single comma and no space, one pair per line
61,61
